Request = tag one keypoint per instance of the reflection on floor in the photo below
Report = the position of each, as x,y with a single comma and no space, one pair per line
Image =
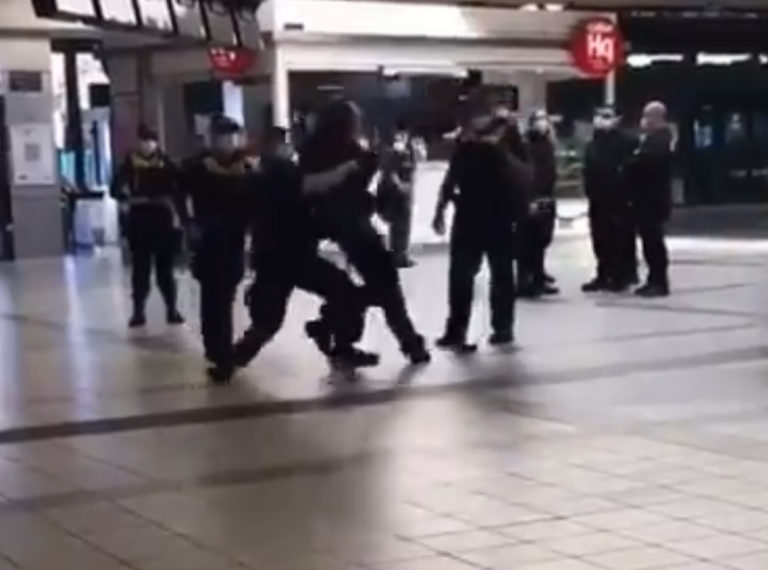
620,435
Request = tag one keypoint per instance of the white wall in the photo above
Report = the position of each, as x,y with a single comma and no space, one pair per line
424,20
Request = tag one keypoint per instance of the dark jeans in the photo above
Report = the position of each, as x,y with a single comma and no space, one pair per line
651,230
468,248
278,276
366,252
153,248
400,229
613,241
536,236
219,279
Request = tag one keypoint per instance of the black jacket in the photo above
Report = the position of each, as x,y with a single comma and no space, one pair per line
221,193
483,186
604,161
281,219
541,149
648,174
150,187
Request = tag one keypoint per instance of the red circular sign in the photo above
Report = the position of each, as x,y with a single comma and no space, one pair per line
597,47
231,62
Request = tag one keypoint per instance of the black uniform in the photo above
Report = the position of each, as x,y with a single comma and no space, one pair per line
285,256
344,213
649,174
219,188
611,226
490,201
538,228
149,185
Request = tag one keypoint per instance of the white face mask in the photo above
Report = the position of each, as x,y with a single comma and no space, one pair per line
541,125
645,123
228,144
148,147
400,144
284,151
603,123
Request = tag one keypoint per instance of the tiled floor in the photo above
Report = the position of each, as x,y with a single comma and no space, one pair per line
620,435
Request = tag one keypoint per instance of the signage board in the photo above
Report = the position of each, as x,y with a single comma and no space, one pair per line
597,47
156,15
221,24
231,63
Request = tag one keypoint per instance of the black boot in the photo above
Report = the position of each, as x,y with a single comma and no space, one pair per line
174,317
138,319
502,338
653,290
221,373
596,285
456,343
321,335
416,351
351,357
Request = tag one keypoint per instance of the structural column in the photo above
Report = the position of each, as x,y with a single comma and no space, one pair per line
281,99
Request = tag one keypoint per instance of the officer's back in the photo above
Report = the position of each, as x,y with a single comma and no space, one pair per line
281,217
490,195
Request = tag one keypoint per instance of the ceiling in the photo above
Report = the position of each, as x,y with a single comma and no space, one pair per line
637,4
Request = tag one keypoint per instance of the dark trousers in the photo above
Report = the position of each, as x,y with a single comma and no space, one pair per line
375,265
468,248
277,277
400,229
219,280
150,249
536,236
651,229
613,241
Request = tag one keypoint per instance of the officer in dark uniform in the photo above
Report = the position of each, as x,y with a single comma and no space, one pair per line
285,256
610,223
218,181
649,172
489,171
538,228
147,184
337,171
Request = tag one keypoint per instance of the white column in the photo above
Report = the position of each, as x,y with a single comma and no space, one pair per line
280,90
610,89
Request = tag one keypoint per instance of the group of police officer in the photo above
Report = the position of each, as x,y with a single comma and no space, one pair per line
224,194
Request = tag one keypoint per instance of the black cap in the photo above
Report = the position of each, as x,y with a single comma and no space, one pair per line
146,133
222,125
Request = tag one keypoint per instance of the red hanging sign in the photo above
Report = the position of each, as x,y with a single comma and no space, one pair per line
597,47
231,62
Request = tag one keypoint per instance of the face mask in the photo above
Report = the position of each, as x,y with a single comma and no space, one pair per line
227,144
284,151
541,125
603,123
400,145
645,123
148,147
502,113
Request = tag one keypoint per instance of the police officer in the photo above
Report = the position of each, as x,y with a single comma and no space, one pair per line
147,184
337,173
218,180
539,226
285,256
396,193
649,172
486,181
610,223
